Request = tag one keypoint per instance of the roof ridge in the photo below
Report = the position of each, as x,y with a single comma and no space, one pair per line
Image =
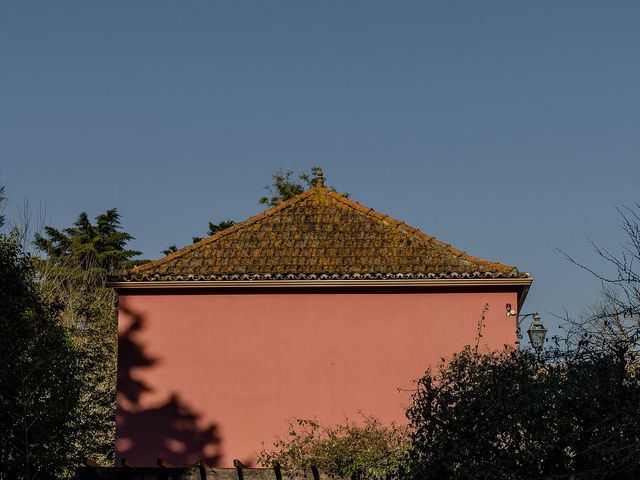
227,231
398,223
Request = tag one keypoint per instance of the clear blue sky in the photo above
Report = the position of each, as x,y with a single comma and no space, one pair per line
504,128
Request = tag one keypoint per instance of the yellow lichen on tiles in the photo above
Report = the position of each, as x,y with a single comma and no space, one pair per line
321,232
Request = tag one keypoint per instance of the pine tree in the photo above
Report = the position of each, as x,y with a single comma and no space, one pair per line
101,246
78,260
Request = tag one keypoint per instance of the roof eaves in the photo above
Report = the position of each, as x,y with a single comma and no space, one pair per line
141,277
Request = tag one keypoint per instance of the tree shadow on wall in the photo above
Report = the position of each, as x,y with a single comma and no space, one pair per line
169,431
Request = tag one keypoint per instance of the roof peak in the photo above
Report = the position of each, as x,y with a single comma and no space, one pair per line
320,231
319,180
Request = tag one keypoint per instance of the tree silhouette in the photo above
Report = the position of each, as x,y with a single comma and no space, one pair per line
168,431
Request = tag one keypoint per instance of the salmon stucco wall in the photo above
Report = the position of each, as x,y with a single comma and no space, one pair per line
214,375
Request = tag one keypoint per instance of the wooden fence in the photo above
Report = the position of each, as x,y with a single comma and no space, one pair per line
165,471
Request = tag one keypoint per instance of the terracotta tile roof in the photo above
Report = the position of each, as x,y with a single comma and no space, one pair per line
319,234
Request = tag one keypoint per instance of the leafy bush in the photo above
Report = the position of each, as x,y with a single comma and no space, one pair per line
39,388
509,414
366,449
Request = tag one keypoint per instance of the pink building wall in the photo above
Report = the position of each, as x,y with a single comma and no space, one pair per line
213,375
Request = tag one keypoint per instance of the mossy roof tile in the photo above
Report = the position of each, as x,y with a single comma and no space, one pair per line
319,232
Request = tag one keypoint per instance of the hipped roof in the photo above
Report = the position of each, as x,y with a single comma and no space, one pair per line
319,234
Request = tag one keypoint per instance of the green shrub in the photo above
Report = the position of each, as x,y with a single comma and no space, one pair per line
364,449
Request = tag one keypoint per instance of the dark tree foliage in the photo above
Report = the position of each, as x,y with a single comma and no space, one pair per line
171,249
38,383
283,185
508,415
218,227
213,229
99,246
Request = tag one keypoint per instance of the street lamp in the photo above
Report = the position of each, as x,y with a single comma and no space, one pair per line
537,331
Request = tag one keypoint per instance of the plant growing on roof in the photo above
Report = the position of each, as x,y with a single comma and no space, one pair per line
283,186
